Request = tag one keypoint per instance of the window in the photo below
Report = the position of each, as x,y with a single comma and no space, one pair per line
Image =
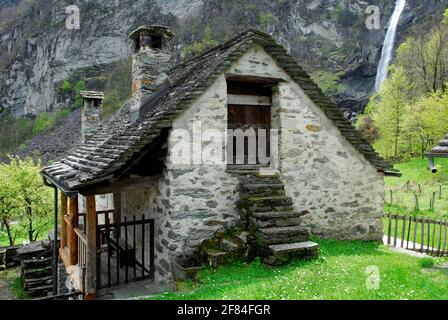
249,122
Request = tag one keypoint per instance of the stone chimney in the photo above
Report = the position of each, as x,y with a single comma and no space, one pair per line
152,57
91,113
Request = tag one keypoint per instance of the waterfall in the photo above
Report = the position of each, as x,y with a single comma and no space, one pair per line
388,46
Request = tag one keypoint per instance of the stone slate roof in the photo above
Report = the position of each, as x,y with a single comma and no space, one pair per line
441,150
119,140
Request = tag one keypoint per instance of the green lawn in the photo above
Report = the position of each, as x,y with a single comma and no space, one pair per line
339,273
422,183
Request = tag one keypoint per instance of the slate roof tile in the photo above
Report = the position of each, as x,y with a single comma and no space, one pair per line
119,140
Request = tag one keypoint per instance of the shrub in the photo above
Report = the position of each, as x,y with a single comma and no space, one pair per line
427,263
43,122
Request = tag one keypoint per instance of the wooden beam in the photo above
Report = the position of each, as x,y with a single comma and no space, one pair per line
130,184
63,222
91,224
72,237
65,257
253,78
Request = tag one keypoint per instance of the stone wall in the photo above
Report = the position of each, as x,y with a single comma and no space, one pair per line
321,171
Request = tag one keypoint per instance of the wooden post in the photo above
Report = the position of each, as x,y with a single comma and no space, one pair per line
417,206
91,224
72,237
63,222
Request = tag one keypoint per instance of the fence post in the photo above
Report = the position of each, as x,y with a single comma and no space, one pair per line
389,228
403,231
417,206
433,201
440,192
391,197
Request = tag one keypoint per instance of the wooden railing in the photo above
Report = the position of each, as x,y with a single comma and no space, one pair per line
82,256
421,234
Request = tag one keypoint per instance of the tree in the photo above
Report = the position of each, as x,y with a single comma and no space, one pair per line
425,58
389,111
9,202
427,119
23,198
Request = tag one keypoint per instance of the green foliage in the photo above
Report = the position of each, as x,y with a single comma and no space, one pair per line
43,122
117,88
341,271
199,47
66,86
427,263
266,20
425,58
328,82
80,86
18,291
25,202
389,111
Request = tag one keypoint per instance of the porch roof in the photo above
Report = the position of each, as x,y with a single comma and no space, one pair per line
439,151
120,140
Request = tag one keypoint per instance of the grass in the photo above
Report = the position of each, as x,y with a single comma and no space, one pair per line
422,183
18,291
340,273
10,279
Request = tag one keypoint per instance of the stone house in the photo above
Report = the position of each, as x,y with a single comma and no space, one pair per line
179,178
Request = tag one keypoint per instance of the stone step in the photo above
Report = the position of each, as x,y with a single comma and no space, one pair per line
270,209
282,235
271,202
265,189
228,245
284,253
276,218
215,258
265,216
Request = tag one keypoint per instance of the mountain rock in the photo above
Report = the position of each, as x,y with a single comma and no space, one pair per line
38,53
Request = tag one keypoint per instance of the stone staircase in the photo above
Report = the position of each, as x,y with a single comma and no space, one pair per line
270,227
273,224
223,248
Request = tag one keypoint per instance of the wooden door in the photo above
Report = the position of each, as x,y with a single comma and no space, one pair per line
246,117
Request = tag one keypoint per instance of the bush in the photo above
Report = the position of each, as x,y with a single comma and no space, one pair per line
66,86
80,86
199,47
43,122
427,263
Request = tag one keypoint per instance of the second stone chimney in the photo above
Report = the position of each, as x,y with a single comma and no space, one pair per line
91,113
152,58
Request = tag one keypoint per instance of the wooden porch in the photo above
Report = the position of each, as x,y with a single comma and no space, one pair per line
100,250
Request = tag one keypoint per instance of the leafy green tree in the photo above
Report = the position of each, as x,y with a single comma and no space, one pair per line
389,111
425,121
24,198
80,86
424,57
9,202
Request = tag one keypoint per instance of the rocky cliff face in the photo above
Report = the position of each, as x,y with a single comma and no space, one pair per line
328,37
